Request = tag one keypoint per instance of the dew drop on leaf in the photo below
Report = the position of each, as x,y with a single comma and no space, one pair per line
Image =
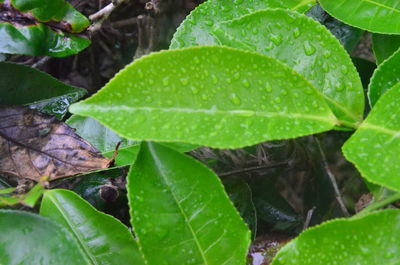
309,49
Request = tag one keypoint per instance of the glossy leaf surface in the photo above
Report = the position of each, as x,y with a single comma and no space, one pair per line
371,15
237,100
196,28
308,48
34,145
385,77
23,85
374,148
23,232
181,213
372,239
103,239
384,46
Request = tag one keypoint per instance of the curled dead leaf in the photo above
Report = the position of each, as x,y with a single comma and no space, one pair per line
33,144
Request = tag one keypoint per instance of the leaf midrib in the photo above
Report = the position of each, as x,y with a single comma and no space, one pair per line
382,5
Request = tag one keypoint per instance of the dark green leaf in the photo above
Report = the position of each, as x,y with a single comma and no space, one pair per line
180,212
371,15
22,85
385,77
31,240
305,46
103,239
372,239
240,99
374,148
384,46
195,30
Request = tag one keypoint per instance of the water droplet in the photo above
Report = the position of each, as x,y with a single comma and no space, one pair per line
296,32
268,87
236,76
238,2
194,89
344,69
309,49
184,81
235,99
165,81
276,39
208,22
246,83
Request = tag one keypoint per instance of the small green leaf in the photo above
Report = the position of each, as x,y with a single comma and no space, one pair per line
22,85
30,240
103,239
7,191
196,28
212,96
384,46
308,48
29,199
385,77
372,239
180,212
371,15
374,148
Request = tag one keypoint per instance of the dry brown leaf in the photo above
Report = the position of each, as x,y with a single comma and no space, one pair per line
33,145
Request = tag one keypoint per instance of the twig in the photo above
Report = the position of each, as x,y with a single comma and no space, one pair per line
308,218
100,16
41,62
379,204
332,179
250,169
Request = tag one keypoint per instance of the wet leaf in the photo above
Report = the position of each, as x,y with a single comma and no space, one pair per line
195,29
372,239
384,46
180,212
44,27
303,44
239,99
104,239
374,148
23,232
384,78
34,145
23,85
369,15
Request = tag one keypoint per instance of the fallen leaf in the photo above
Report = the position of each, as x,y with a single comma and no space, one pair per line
33,144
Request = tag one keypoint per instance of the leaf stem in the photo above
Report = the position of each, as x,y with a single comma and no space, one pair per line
379,204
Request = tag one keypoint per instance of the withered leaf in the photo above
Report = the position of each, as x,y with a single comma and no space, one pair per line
33,144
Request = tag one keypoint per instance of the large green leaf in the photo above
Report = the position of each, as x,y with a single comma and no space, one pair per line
23,85
195,30
385,77
308,48
213,96
180,212
30,240
371,15
373,239
374,148
103,239
41,27
384,46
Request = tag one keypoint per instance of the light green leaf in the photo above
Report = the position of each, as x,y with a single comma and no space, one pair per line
28,199
195,30
374,148
180,212
384,46
103,239
371,15
23,85
212,96
308,48
385,77
372,239
31,240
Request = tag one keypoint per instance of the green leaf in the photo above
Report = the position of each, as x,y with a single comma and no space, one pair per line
371,15
372,239
196,28
384,46
180,212
29,199
103,239
308,48
22,85
42,27
238,99
385,77
374,148
30,240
